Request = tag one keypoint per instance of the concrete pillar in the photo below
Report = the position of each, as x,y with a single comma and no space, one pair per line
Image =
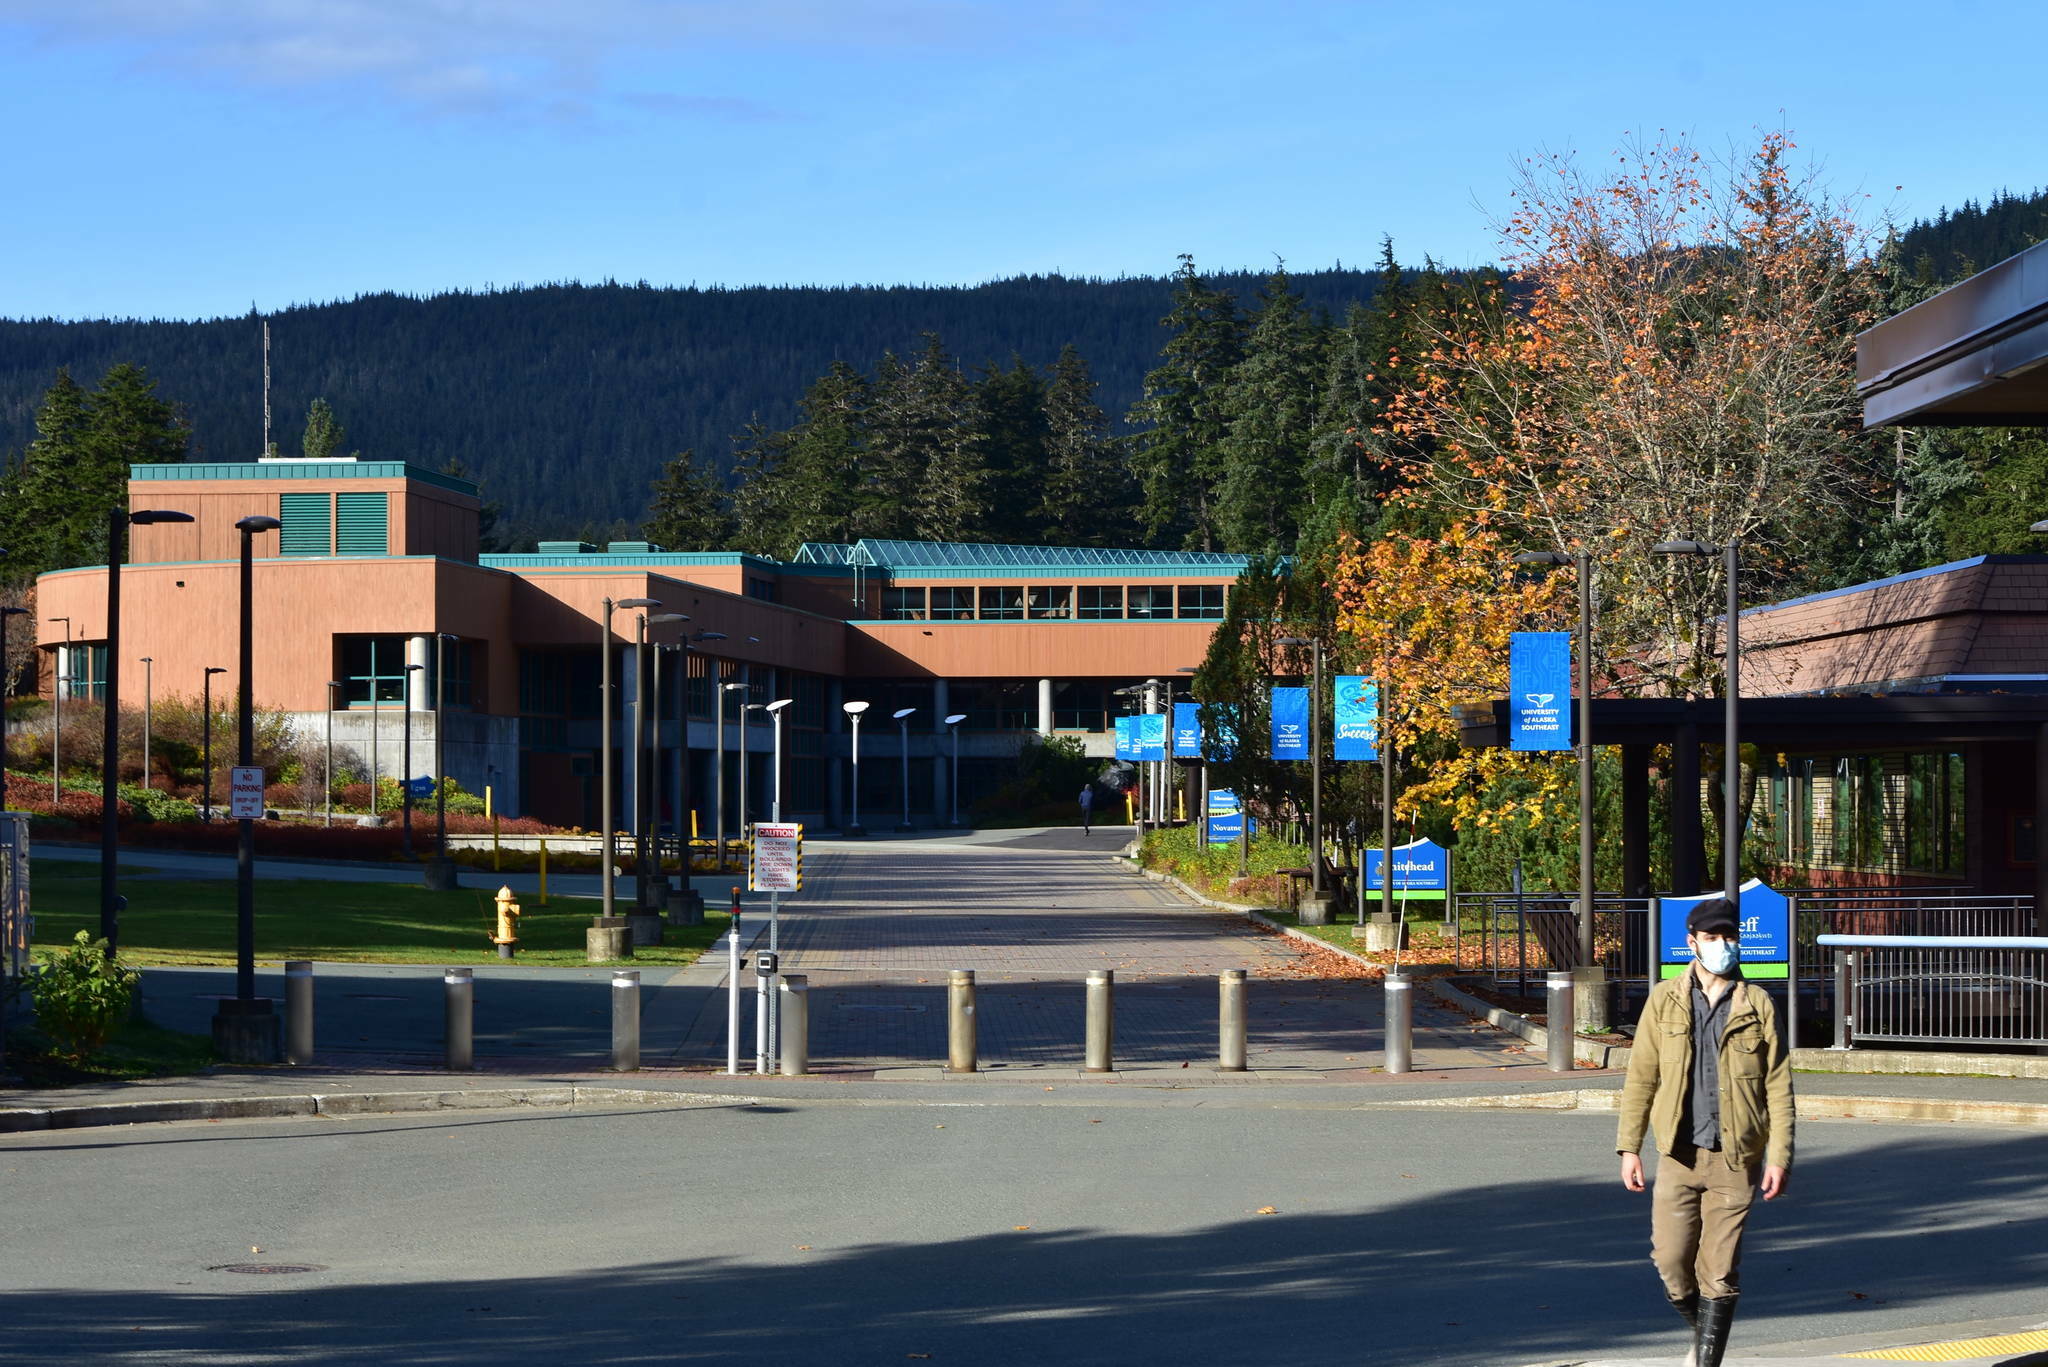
1045,707
1687,855
419,683
1635,820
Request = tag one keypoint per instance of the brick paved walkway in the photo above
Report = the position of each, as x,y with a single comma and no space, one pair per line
877,928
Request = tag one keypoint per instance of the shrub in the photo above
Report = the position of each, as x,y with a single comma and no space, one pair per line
82,995
152,804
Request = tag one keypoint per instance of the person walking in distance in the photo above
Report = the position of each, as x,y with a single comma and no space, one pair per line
1087,809
1711,1076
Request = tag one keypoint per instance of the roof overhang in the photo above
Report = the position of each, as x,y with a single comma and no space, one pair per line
1975,355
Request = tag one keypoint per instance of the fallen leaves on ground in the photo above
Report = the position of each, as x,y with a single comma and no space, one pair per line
1267,1210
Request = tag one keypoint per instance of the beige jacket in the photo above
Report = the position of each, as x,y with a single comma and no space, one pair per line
1756,1076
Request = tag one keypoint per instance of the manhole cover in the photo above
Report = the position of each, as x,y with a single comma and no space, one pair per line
268,1269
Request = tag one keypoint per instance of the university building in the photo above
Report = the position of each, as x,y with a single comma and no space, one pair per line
376,575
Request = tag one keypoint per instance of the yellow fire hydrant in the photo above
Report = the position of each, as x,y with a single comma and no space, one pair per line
506,937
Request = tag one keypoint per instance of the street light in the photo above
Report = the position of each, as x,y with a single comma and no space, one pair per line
953,725
686,821
1731,759
441,876
1315,764
206,738
405,762
328,773
903,743
252,1035
774,711
605,744
148,702
719,763
746,788
1203,815
853,711
57,718
1584,563
643,778
110,717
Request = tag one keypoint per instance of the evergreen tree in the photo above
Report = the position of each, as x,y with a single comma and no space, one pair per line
690,511
1013,409
927,434
324,432
1270,404
76,470
1179,456
1086,496
34,489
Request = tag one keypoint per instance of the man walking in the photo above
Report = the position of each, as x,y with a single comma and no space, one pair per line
1710,1074
1087,808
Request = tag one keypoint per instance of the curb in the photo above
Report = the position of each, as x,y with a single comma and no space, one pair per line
1255,914
1607,1101
25,1120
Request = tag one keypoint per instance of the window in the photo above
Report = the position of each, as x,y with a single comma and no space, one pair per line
373,669
1079,706
903,605
1151,601
1201,601
1002,605
1053,603
1100,604
362,524
763,589
308,524
952,605
460,688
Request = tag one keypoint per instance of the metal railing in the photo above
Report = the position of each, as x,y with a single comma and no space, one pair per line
1519,937
1871,911
1940,989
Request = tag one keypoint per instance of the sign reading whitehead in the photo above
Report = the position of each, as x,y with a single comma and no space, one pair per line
1540,690
1358,717
1290,723
1419,866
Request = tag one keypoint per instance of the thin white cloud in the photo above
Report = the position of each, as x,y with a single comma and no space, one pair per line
540,56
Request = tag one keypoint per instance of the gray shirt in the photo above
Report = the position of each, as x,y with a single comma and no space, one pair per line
1703,1096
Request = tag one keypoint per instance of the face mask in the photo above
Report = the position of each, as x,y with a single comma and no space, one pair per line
1718,957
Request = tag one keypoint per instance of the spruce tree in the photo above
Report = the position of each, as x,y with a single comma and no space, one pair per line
1270,402
1179,455
690,511
1086,496
324,432
1012,403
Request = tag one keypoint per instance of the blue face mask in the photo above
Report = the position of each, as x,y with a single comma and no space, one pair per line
1718,957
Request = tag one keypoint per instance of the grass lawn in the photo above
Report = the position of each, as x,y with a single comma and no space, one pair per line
188,921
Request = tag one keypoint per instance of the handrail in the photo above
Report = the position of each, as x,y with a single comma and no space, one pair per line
1934,941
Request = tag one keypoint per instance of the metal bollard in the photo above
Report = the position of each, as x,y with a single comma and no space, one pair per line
1561,1032
796,1024
298,1010
1845,999
1230,1021
963,1035
1400,1021
625,1020
1100,1050
459,1012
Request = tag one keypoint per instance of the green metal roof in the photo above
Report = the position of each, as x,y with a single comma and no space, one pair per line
301,469
960,555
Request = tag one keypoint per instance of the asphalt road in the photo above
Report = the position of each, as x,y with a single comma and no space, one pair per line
1097,1225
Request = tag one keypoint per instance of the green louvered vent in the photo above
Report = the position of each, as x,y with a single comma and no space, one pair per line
308,524
362,524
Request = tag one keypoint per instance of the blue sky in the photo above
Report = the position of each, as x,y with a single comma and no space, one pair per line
190,158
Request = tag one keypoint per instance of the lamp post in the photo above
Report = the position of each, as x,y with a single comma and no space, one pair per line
643,778
6,689
1731,758
57,717
1315,760
1583,561
256,1038
953,725
148,701
903,745
1201,757
853,711
746,788
328,772
719,764
405,762
118,520
206,738
441,875
686,797
605,745
774,711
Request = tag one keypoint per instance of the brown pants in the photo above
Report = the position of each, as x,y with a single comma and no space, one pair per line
1696,1217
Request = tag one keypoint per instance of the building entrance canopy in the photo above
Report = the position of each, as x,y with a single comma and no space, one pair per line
1975,355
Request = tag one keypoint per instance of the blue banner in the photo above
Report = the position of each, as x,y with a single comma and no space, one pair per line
1187,730
1226,818
1123,739
1358,717
1290,723
1765,924
1419,866
1220,734
1540,690
1148,737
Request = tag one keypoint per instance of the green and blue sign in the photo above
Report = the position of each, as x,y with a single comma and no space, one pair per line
1227,820
1764,917
1421,868
1290,723
1540,690
1358,717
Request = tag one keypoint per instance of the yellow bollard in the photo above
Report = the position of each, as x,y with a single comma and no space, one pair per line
1130,810
543,871
487,799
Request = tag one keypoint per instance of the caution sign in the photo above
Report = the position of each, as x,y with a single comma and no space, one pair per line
778,862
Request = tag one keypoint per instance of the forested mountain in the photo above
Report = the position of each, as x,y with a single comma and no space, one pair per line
568,399
1960,242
